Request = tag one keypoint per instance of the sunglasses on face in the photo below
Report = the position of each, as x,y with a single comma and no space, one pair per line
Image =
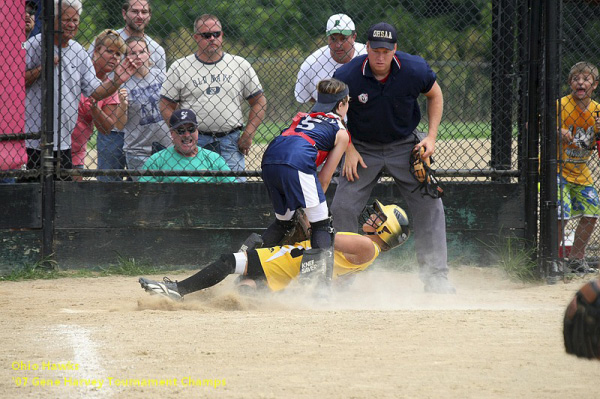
30,11
183,130
208,35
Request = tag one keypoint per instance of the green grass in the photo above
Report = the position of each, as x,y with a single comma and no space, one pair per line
447,131
129,267
515,257
44,269
48,269
267,131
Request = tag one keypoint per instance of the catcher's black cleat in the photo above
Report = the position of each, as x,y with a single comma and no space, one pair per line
167,288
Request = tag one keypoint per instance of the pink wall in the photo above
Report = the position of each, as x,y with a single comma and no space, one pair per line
12,81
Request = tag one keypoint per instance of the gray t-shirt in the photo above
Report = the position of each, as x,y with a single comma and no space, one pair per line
214,91
144,121
77,77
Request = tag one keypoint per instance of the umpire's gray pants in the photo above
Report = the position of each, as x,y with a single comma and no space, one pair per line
425,213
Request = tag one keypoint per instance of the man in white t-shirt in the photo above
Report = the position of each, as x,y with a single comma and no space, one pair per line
341,35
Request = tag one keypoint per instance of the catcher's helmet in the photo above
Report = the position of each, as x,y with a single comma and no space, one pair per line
389,221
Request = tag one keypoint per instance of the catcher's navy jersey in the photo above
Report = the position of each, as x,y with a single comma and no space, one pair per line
306,143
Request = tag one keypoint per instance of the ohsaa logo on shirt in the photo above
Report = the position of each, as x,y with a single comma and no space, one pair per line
213,90
363,98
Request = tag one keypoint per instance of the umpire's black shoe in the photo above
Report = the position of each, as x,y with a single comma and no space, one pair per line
167,288
439,285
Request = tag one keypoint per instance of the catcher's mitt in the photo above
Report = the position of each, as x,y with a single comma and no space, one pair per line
300,231
421,170
582,322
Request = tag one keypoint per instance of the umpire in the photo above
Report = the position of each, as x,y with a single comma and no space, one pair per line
383,117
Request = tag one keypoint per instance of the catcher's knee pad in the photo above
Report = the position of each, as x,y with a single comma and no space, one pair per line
316,269
313,264
276,231
322,234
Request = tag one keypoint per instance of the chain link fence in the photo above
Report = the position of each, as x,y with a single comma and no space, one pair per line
480,50
113,138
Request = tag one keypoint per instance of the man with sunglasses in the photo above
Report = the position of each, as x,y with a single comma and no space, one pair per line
214,84
185,154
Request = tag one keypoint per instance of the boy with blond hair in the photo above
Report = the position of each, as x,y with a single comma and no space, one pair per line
579,123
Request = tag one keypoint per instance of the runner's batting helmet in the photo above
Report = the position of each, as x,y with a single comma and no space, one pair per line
389,221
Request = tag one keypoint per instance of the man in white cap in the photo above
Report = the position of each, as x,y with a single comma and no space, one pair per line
341,35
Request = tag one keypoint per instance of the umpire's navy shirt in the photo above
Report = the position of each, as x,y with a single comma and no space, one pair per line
385,112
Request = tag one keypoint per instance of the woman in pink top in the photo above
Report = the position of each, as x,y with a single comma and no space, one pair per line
107,114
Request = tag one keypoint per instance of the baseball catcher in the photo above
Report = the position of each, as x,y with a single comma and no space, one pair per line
385,227
582,322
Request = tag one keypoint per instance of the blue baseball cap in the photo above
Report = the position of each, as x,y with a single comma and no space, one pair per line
182,117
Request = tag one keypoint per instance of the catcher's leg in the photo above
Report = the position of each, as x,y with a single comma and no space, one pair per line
276,231
315,271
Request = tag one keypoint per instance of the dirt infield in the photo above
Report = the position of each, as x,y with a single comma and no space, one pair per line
384,338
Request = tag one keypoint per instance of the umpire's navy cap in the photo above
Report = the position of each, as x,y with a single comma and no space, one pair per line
382,35
182,117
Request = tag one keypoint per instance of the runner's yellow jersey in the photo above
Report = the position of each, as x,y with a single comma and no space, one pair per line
282,264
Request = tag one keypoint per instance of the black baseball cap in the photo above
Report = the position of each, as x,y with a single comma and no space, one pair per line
382,35
182,117
32,4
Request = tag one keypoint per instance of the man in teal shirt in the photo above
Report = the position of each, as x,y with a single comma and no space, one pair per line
185,154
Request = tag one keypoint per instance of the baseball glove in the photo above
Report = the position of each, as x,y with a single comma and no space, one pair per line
582,322
421,170
300,231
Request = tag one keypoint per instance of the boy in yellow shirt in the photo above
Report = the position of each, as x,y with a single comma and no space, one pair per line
579,123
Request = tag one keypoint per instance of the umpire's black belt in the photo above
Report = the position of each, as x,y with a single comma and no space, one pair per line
220,134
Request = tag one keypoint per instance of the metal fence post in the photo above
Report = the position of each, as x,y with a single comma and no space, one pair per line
549,229
47,139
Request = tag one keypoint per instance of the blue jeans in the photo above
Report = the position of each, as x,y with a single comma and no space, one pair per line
8,180
227,147
111,154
